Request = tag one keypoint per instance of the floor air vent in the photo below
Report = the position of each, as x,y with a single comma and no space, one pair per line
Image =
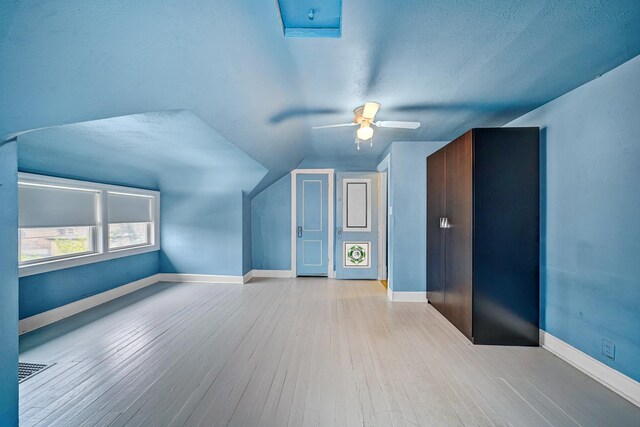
28,370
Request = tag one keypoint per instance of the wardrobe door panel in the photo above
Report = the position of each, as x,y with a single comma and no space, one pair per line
506,236
458,246
435,234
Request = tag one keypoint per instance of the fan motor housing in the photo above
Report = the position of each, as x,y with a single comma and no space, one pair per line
359,118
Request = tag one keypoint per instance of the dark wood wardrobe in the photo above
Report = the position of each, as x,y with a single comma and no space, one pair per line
483,234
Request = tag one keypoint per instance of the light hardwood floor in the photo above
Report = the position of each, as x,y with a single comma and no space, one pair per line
297,352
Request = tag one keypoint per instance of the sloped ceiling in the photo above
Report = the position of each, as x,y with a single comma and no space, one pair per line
140,150
450,64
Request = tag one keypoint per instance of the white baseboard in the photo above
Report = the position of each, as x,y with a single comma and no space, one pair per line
46,318
406,296
199,278
614,380
272,273
248,276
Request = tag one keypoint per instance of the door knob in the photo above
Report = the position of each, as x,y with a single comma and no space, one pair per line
339,232
299,231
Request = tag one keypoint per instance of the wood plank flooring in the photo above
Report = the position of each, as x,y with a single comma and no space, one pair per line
293,352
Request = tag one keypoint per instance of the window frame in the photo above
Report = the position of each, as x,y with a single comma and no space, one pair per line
101,243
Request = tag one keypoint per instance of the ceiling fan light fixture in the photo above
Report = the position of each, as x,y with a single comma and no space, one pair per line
364,133
364,118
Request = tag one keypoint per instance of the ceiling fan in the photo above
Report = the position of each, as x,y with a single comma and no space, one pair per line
364,116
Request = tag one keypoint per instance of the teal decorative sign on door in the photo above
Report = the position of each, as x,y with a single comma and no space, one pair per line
356,254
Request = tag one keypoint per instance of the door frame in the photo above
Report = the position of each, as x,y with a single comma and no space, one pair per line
382,224
330,212
384,170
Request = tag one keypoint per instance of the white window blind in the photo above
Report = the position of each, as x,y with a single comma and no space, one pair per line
128,208
50,206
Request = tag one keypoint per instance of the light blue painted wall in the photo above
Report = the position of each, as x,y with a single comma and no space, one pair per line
271,226
590,272
42,292
407,269
201,233
8,285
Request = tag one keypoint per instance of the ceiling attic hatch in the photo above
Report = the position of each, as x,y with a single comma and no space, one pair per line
311,18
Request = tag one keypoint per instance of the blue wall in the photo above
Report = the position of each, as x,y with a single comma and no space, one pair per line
42,292
407,269
271,226
8,285
201,233
590,273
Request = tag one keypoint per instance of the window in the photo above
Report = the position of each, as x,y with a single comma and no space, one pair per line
56,222
39,244
65,223
128,235
129,220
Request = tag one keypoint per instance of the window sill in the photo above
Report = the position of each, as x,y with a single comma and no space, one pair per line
45,267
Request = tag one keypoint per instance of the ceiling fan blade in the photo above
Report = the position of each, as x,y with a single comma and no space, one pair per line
370,109
299,112
397,125
334,126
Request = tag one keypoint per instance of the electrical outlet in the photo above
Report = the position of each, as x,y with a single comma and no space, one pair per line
609,349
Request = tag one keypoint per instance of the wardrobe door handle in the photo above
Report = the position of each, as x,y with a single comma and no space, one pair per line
444,222
299,231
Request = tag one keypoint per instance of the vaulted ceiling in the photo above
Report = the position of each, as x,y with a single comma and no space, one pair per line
450,64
